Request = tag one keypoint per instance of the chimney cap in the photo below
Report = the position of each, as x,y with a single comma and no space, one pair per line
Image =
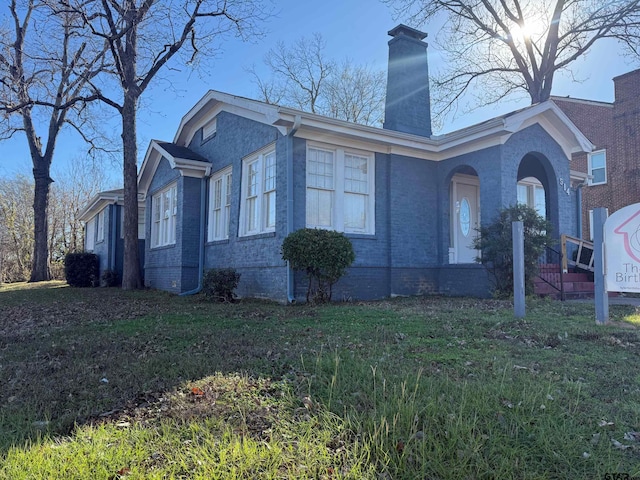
408,31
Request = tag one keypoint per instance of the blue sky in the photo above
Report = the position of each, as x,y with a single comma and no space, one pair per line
351,28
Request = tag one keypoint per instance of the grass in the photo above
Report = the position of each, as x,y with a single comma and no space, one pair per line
101,383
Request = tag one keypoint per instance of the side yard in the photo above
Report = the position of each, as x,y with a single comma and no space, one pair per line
101,383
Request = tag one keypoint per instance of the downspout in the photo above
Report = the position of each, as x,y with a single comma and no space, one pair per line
290,277
579,204
203,212
114,236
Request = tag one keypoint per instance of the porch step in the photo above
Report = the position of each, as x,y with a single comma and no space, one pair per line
576,285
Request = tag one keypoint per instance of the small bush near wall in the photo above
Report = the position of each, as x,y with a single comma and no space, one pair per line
220,283
324,255
110,278
82,269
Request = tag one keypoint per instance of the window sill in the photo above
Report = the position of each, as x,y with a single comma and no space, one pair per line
361,236
597,184
224,241
257,236
163,247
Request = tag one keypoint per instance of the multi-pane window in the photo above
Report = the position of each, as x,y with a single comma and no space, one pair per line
100,234
220,205
164,207
258,204
531,193
598,167
340,193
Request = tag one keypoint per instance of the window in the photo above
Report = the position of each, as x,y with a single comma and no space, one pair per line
90,235
100,235
598,167
141,227
219,205
258,205
164,206
531,193
340,190
209,130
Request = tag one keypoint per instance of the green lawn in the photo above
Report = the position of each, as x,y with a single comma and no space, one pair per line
106,384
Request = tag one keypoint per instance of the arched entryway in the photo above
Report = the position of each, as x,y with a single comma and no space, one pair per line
537,186
464,193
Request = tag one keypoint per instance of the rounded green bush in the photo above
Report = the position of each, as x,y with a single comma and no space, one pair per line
324,255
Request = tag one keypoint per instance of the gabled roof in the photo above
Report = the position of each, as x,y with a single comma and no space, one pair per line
99,201
317,127
188,162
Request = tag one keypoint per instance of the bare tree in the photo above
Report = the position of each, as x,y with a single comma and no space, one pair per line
301,76
16,228
356,93
143,37
504,46
43,73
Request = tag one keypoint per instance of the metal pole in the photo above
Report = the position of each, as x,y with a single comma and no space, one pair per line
517,231
600,289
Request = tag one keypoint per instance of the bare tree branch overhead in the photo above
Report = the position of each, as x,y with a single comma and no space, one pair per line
303,77
500,47
45,67
144,37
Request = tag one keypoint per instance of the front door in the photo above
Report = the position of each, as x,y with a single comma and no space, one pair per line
465,218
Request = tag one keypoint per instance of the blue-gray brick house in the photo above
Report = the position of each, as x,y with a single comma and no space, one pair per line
241,174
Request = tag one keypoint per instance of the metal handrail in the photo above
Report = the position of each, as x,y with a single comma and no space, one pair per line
582,245
559,263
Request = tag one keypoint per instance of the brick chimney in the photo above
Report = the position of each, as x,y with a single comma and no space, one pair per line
408,105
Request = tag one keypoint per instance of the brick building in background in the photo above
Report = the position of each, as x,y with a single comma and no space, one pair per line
614,165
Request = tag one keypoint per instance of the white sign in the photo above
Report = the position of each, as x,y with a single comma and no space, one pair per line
622,249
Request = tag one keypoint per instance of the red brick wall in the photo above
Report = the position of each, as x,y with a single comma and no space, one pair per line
616,128
595,120
626,121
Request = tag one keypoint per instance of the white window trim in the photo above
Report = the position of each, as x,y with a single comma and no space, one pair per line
170,221
244,229
532,184
589,166
222,176
90,235
100,230
209,130
337,220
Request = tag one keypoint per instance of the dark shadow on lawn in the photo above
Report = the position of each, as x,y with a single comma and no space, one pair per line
71,356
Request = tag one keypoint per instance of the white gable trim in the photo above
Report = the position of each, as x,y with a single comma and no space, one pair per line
187,167
99,202
314,127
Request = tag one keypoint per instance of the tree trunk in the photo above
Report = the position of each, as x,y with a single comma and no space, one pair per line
131,278
40,270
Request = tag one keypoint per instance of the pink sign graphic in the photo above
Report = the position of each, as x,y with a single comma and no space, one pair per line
630,229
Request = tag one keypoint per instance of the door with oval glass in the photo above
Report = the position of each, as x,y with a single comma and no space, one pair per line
465,218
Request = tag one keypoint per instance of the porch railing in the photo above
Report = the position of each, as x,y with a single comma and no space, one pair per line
576,252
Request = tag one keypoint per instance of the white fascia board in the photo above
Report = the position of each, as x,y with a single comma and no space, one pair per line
192,168
556,122
213,103
98,203
149,166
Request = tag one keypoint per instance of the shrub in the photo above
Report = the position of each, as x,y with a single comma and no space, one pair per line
324,255
110,278
81,269
220,283
496,244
